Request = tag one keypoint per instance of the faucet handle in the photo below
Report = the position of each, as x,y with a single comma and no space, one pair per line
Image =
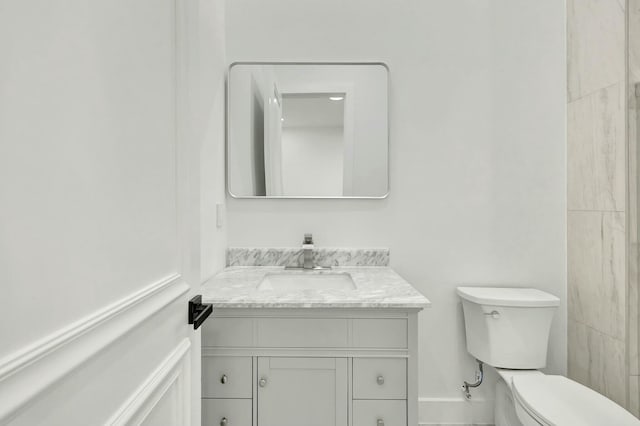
308,239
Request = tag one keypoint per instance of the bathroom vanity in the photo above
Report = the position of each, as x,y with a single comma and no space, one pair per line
310,348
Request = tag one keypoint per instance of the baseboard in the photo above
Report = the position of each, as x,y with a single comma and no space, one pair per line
30,371
454,411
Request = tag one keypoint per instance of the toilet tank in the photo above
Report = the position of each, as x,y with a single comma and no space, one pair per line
508,327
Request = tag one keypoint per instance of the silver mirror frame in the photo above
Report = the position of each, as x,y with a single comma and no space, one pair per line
285,197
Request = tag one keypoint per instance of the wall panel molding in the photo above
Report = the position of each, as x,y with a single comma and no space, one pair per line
172,371
30,371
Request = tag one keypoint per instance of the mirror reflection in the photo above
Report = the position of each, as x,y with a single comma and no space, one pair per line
307,130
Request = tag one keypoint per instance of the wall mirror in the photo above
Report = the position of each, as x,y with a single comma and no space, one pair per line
307,130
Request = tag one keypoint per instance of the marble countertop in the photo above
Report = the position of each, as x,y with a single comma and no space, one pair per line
376,287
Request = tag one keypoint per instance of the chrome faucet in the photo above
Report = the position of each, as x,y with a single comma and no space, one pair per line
307,256
307,250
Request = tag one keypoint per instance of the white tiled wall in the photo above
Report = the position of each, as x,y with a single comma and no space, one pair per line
633,16
598,205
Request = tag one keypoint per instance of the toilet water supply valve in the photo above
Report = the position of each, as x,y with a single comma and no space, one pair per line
478,382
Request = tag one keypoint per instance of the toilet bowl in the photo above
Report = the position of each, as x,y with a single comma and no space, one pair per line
508,329
556,400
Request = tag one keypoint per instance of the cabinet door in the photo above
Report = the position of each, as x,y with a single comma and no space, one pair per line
302,391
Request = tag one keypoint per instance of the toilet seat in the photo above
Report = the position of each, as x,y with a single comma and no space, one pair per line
558,401
507,374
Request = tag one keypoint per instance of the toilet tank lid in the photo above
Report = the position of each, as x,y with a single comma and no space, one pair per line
508,296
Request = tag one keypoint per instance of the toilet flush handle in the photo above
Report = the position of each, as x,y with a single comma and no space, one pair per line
494,314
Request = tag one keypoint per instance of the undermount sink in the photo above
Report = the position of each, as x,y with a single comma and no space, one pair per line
307,281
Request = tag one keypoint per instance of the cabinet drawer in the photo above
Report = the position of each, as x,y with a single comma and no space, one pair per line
379,413
380,333
302,333
226,377
226,412
379,378
227,332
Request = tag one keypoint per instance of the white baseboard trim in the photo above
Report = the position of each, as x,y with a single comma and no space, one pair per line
455,411
28,372
174,369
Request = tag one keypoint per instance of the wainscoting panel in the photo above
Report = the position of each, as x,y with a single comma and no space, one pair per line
164,398
25,375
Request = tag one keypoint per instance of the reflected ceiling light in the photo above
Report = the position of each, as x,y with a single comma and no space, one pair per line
281,118
336,98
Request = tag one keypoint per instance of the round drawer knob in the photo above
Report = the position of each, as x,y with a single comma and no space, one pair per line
380,381
262,382
224,379
223,422
380,422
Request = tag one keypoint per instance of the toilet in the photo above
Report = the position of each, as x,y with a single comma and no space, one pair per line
508,329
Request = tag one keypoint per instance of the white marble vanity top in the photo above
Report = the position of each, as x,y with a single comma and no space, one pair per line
376,287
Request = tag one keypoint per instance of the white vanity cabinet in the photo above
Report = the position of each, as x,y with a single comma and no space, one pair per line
310,367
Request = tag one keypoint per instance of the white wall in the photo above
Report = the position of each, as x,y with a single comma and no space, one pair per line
92,214
209,128
477,124
312,160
